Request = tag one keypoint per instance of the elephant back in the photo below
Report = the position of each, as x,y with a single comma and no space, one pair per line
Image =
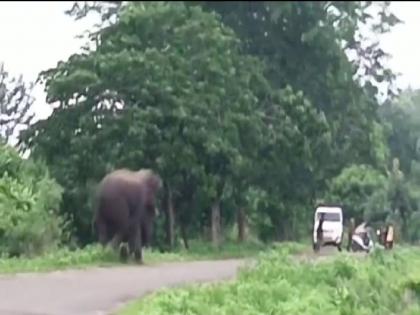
143,184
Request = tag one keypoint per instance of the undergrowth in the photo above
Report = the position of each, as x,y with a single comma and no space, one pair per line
386,283
95,255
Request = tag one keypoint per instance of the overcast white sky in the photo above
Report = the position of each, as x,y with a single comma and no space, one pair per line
34,36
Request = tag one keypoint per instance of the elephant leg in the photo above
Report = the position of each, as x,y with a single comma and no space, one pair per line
123,253
131,245
131,241
102,232
144,238
103,237
135,243
116,241
147,232
116,245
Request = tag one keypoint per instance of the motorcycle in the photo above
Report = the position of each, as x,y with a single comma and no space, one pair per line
361,240
361,243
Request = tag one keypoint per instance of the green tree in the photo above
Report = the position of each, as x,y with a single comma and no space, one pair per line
167,88
399,195
401,121
253,107
306,45
29,198
363,192
15,103
402,126
106,9
319,48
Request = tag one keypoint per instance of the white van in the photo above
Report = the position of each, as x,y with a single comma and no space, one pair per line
332,228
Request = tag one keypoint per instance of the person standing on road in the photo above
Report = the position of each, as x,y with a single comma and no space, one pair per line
383,236
352,226
389,237
319,230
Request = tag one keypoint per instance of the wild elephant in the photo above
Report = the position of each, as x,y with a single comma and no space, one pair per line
126,210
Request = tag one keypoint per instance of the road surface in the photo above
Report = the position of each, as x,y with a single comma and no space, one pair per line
97,291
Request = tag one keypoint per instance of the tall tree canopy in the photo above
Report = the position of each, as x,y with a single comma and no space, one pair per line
183,100
321,48
251,106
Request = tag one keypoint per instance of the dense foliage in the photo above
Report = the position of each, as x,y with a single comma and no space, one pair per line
402,127
356,186
199,117
380,284
250,112
15,104
29,200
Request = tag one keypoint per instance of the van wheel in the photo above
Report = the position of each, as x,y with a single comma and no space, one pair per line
315,247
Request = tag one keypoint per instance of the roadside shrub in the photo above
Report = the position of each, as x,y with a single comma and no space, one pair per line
29,198
383,284
61,258
362,190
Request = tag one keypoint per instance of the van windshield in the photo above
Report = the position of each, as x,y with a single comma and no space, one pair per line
330,216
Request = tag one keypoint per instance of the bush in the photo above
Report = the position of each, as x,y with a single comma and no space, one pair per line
29,197
362,190
413,227
385,283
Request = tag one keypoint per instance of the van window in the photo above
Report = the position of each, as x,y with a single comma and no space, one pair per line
330,216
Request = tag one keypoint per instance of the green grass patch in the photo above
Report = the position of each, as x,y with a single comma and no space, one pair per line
60,259
95,255
385,283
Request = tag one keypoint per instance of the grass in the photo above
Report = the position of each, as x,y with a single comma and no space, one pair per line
60,259
97,256
385,283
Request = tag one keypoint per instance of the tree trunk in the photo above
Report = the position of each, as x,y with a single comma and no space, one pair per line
281,230
207,234
241,220
170,220
184,236
215,224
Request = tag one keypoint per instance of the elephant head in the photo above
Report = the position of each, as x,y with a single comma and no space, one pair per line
151,183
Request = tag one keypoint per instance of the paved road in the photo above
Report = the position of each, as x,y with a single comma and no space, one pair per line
96,291
100,290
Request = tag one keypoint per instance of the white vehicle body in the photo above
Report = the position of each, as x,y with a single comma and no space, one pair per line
333,224
357,238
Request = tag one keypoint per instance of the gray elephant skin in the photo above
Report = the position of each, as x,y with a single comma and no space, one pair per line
125,209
